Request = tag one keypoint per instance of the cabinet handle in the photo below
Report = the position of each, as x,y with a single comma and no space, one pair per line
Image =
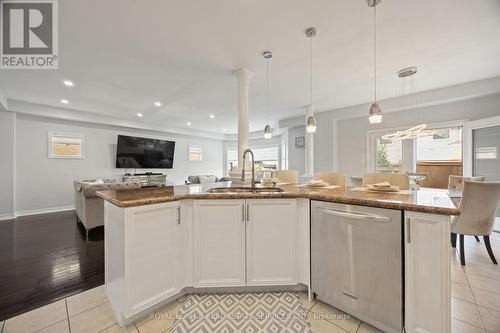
179,215
243,212
248,212
408,233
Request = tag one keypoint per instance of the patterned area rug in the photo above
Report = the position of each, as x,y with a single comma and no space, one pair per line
242,313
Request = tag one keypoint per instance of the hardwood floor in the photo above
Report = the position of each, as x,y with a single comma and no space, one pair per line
44,258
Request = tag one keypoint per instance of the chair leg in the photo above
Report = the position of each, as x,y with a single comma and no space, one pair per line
462,251
477,238
488,248
86,235
453,240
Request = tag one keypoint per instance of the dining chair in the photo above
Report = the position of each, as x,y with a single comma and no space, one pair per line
477,215
356,181
287,176
333,178
456,184
398,179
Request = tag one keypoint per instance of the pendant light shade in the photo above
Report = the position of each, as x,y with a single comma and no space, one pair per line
311,124
268,131
311,121
375,114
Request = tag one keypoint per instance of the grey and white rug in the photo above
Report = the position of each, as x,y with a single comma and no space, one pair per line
271,312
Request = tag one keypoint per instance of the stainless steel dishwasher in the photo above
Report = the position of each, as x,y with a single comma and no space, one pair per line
356,259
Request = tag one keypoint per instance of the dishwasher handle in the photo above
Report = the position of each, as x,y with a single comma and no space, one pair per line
355,216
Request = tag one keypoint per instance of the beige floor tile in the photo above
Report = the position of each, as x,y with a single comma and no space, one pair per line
323,326
37,319
159,321
60,327
458,275
480,282
367,328
491,319
485,270
118,329
86,300
466,312
487,299
461,291
93,320
335,316
458,326
304,299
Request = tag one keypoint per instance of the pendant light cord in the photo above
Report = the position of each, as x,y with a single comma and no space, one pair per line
375,51
311,72
267,92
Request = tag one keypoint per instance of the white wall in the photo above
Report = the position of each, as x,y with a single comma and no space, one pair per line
296,156
44,183
352,133
7,129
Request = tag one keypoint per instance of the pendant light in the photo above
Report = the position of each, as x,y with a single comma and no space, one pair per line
409,102
268,131
375,114
311,121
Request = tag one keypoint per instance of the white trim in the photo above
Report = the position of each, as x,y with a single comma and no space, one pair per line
467,140
44,210
4,217
372,134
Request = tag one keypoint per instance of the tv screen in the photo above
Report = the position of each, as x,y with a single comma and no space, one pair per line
135,153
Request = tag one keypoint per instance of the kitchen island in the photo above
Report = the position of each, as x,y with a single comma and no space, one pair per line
162,243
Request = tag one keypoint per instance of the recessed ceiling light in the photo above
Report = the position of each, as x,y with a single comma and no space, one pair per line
157,104
68,83
212,116
64,101
140,115
223,130
188,123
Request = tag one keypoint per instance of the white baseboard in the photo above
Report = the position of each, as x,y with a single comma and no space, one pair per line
44,210
7,217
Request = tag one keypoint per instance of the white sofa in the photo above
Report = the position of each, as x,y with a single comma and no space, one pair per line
89,207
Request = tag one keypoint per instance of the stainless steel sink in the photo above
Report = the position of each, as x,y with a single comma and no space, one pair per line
244,190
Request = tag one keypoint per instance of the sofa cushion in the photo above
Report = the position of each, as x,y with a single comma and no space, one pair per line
89,190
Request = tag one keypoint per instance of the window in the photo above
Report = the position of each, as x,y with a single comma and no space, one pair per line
232,159
445,145
266,158
389,156
195,153
65,145
486,153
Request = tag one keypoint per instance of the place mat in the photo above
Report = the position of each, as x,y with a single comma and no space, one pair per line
328,187
365,189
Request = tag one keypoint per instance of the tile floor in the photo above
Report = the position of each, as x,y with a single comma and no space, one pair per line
475,306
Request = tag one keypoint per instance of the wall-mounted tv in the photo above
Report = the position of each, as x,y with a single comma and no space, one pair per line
136,153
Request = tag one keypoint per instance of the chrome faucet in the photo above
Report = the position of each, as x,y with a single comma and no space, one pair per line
253,167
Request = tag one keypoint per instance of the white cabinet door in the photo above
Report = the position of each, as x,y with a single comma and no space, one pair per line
151,254
271,242
219,243
427,273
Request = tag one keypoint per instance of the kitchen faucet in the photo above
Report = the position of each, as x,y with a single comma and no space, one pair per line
253,167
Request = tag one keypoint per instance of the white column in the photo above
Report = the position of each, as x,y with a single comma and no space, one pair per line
244,76
309,147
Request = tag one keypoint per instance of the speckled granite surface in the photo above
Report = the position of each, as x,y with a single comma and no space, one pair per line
432,201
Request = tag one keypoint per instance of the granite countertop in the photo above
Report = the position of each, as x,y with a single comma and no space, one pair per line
433,201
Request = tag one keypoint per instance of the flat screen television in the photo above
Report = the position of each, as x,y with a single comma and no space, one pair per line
136,153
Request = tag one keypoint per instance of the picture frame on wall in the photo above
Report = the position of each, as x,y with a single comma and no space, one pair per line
300,142
65,145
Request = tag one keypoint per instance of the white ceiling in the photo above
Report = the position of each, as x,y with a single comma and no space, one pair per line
124,55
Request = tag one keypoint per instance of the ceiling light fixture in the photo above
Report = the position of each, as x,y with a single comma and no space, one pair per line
268,131
140,115
212,116
223,130
188,123
64,101
68,83
311,121
375,115
158,104
409,102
